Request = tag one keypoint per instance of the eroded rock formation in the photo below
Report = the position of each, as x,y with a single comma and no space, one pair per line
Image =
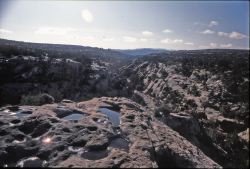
70,134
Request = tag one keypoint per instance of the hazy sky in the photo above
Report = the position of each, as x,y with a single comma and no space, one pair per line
128,24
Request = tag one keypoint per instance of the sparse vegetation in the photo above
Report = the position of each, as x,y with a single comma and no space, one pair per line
162,109
205,84
37,100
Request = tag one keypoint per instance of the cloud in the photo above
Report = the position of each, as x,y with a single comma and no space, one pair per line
5,31
213,23
210,24
207,31
108,39
54,30
189,43
233,35
129,39
87,15
167,31
170,41
229,45
89,38
204,47
178,41
223,34
147,33
143,40
237,35
213,45
166,41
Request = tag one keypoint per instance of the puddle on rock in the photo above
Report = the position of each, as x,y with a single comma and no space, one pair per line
74,116
23,113
20,113
19,141
31,162
119,143
95,155
75,149
6,111
113,116
117,130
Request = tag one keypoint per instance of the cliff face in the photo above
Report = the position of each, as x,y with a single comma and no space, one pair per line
23,75
202,97
63,71
59,77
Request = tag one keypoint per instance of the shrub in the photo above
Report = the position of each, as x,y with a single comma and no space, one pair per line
37,100
194,91
163,109
191,103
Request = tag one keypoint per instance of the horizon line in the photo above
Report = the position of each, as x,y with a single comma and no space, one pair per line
126,48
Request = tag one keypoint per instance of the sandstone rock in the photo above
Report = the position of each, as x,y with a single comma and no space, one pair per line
142,140
244,135
31,162
185,124
67,101
229,125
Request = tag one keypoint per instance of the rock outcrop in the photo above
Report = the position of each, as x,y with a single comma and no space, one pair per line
199,96
70,134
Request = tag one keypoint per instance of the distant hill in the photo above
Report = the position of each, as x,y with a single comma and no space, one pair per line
60,49
141,51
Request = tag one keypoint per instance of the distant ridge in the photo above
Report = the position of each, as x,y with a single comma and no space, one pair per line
141,51
94,52
101,52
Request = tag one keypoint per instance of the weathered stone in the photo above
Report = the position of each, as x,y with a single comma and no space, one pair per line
244,135
140,140
229,125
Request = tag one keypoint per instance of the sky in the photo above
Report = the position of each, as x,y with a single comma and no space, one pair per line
128,24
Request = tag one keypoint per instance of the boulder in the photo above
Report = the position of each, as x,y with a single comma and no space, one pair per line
230,125
244,135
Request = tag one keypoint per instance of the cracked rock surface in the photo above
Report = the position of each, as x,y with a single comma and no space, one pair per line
70,134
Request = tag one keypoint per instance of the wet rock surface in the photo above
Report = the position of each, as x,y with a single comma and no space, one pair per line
44,138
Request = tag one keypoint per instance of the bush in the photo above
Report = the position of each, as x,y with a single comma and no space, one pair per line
191,102
194,91
163,109
37,100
